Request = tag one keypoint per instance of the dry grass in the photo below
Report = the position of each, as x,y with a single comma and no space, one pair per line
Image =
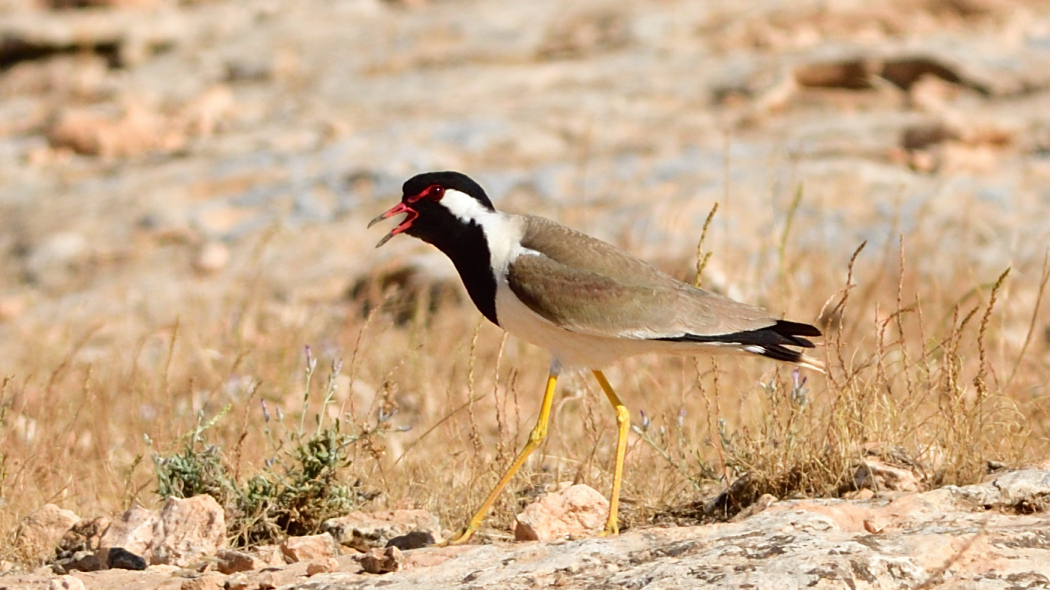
947,370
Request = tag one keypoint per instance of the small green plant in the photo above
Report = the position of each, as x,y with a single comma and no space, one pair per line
301,485
197,468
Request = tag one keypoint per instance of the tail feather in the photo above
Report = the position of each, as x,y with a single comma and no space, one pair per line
794,329
771,342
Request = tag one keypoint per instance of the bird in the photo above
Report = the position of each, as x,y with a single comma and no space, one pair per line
586,301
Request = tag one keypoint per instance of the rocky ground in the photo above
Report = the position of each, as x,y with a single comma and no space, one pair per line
158,158
992,535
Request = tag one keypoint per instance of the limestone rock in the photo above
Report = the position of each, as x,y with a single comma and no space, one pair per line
132,531
187,530
79,561
880,475
11,307
231,562
53,258
365,530
309,547
383,561
66,583
85,535
65,4
764,501
135,132
41,531
989,535
212,257
290,576
576,511
322,566
207,582
937,538
132,35
271,555
1027,490
205,114
238,582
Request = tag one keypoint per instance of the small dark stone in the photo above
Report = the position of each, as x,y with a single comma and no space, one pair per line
122,559
85,561
412,540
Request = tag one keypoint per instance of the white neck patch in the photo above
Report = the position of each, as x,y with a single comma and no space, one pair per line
464,206
502,234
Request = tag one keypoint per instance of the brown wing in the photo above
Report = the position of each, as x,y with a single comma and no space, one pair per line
588,286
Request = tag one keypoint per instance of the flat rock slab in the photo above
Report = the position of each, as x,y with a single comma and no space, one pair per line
943,538
796,548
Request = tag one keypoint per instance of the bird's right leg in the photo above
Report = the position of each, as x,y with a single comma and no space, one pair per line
623,424
539,432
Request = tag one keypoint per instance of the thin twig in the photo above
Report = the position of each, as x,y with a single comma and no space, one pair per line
838,311
792,210
444,419
501,412
909,386
475,434
703,257
171,355
982,369
1044,278
239,445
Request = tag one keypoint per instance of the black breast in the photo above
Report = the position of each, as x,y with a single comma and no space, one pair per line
465,245
473,261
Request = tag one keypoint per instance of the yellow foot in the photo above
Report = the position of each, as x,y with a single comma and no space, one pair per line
609,531
460,539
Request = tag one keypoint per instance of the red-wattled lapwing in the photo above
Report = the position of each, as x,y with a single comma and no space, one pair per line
586,301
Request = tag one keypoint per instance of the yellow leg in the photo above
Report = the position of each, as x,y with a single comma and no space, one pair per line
539,432
623,423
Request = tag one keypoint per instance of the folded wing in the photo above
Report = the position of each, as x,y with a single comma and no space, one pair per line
596,289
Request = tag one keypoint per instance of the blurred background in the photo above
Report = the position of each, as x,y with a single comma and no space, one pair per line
184,189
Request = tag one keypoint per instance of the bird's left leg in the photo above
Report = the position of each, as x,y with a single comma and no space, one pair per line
539,432
623,423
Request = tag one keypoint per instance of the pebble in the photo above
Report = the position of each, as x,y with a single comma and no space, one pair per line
309,547
322,566
212,258
66,582
576,511
383,561
120,558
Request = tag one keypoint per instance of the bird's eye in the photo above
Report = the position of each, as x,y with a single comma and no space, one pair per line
436,192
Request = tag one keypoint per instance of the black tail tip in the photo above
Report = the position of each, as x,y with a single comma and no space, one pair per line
796,333
786,328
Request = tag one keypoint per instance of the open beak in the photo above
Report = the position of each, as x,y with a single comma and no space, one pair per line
399,208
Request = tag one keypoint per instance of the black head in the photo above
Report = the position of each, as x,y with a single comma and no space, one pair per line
435,204
419,184
450,211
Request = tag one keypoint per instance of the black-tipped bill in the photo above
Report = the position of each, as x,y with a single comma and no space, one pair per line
399,208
